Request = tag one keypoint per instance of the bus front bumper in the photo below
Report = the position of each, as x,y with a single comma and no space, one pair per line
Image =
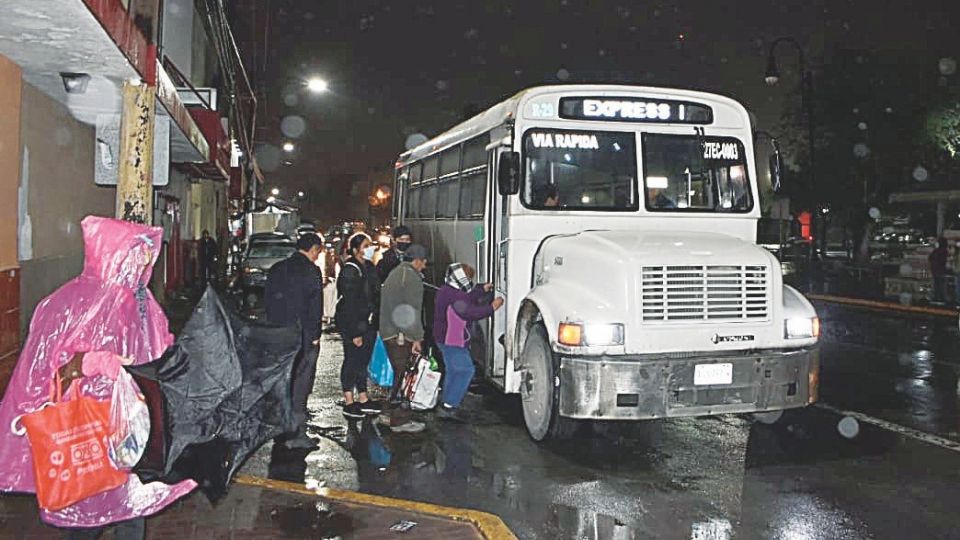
664,386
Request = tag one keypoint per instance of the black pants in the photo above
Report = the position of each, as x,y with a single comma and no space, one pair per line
304,374
134,529
353,373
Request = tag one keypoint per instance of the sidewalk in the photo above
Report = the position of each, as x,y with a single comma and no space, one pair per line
266,509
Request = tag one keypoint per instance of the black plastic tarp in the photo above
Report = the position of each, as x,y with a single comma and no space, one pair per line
217,395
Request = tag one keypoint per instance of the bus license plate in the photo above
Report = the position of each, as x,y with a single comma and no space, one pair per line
704,374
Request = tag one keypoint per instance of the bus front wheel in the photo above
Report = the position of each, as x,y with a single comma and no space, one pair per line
540,390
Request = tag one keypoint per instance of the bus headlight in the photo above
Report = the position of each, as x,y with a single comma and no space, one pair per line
801,328
579,334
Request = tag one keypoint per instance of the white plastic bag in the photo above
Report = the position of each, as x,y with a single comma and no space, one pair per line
129,423
426,389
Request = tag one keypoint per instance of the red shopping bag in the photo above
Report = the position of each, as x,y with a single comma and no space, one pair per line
68,440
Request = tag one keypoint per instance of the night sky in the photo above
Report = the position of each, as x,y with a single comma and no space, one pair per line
403,67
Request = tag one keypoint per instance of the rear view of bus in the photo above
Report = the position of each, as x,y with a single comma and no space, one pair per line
620,226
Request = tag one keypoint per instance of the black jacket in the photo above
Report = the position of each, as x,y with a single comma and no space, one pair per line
358,288
294,294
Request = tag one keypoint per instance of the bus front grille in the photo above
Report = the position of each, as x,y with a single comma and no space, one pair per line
705,293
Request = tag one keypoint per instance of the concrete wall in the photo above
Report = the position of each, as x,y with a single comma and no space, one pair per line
10,96
58,172
9,159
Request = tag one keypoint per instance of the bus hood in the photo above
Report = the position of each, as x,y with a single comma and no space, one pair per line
670,290
656,247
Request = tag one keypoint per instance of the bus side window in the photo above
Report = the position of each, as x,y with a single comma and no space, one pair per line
428,201
473,177
412,194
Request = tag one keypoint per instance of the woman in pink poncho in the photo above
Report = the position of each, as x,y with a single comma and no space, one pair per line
107,313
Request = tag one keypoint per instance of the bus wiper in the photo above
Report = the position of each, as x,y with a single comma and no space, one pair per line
701,138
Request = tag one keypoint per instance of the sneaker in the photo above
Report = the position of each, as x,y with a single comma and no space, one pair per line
371,407
409,427
353,411
448,413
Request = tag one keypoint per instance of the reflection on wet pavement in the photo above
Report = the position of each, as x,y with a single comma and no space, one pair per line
897,368
709,478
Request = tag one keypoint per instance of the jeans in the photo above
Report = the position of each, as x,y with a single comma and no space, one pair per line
459,372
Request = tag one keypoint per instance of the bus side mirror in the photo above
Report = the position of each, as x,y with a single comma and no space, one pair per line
508,173
776,165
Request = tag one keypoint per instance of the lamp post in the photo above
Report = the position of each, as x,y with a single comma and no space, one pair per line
772,77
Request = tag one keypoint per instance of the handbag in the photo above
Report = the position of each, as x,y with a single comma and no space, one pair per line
380,370
68,443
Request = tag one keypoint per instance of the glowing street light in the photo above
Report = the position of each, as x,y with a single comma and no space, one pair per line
317,85
381,194
275,191
288,146
271,199
300,194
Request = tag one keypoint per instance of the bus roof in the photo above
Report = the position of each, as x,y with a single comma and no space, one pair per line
508,110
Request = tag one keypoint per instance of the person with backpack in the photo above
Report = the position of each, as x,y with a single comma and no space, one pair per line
355,321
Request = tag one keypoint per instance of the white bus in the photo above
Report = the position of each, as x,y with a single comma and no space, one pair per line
619,224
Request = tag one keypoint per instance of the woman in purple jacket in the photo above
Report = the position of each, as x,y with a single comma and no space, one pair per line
458,303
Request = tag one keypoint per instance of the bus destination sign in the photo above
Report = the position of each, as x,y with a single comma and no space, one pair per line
634,109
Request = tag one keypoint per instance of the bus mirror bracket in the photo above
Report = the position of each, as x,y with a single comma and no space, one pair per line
508,173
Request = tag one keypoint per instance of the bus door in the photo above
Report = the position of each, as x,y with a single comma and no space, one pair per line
493,267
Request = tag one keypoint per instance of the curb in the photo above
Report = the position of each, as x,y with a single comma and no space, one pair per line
884,306
490,526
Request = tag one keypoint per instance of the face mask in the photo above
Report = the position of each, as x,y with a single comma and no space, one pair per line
368,252
402,246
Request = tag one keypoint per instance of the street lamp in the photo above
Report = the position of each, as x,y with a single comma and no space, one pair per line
772,77
300,194
275,191
288,146
271,199
317,85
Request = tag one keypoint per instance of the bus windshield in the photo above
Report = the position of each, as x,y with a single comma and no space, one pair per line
580,170
691,173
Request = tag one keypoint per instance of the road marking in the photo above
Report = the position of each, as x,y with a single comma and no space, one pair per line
915,434
884,306
489,525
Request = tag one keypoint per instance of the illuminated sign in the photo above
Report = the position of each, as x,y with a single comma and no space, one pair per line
633,109
576,141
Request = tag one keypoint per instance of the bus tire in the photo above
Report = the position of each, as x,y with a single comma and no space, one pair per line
539,391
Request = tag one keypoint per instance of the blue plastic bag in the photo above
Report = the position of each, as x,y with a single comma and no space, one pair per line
380,370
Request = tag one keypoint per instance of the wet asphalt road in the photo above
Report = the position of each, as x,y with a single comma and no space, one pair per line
709,478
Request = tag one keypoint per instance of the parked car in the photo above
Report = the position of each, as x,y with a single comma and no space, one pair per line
260,256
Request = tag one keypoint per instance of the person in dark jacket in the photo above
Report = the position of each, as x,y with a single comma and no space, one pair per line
294,295
354,319
458,303
402,239
207,257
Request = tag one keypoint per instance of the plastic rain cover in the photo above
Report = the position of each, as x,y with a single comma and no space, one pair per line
106,309
215,397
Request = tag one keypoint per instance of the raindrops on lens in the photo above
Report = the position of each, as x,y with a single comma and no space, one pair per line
293,126
848,427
